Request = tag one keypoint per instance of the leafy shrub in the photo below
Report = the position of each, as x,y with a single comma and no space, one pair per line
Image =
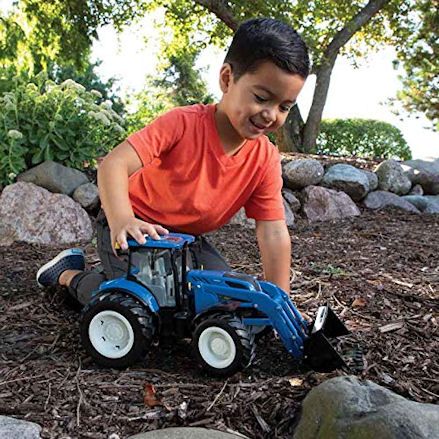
363,138
41,121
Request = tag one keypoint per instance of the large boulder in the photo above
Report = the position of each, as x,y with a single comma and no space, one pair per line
32,214
300,173
426,203
345,407
424,173
348,179
391,178
54,177
321,204
382,199
11,428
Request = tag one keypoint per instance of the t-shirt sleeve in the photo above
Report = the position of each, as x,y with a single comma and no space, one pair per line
158,137
266,203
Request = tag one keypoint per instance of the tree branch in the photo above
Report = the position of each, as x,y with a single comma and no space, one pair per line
352,26
222,11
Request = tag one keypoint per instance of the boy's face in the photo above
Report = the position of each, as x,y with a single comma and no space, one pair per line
259,101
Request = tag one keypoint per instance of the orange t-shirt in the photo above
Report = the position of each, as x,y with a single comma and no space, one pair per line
189,184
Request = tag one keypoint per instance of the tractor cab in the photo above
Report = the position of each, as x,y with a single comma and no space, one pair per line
158,265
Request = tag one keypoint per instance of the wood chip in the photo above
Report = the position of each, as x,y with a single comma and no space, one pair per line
391,327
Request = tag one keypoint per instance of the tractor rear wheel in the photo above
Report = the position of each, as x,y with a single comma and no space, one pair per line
116,330
223,345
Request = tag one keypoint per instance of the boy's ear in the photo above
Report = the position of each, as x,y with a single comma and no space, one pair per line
225,77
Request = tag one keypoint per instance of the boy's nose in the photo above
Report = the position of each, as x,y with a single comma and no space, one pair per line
268,115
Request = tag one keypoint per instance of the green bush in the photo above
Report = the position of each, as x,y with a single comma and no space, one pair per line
41,120
363,138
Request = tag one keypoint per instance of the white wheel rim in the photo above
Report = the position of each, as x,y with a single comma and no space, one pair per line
217,347
111,334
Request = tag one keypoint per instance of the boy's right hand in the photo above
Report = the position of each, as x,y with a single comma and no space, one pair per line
135,228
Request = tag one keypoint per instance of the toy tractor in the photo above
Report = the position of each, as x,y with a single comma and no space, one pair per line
222,312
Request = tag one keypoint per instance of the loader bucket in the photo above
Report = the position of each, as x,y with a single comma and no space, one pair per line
319,354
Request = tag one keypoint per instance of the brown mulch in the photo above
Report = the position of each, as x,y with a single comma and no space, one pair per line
380,273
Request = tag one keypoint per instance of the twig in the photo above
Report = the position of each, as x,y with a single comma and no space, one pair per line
48,397
81,396
217,396
265,427
23,379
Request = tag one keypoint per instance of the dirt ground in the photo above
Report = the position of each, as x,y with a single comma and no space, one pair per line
379,272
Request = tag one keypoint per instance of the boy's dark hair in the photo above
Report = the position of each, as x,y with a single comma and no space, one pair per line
263,39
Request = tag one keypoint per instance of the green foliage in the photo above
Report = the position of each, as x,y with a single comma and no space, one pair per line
362,138
150,103
88,77
417,41
36,32
182,81
41,120
177,83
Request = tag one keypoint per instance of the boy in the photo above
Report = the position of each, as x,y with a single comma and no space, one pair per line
194,167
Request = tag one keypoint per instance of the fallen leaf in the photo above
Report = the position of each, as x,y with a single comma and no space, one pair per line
149,396
359,302
295,382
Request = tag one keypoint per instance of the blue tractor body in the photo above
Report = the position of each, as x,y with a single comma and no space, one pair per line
180,300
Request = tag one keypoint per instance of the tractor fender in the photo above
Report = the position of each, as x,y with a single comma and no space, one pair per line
132,289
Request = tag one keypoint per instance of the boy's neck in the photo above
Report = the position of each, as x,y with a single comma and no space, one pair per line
231,141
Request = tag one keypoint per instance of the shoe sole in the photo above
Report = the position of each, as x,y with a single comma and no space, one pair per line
54,261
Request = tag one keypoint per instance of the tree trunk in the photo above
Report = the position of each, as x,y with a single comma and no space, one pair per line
312,127
290,135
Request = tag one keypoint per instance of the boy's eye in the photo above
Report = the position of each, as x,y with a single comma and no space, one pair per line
260,98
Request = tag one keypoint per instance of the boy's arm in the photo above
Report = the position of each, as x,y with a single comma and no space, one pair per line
275,246
113,175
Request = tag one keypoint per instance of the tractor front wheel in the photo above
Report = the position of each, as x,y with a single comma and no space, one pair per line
223,345
116,330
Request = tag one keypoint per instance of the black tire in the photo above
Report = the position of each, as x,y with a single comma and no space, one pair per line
243,339
138,317
262,332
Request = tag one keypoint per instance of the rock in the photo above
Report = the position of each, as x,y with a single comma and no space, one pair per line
184,433
381,199
54,177
372,177
87,195
300,173
241,219
426,203
11,428
348,179
345,407
33,214
432,204
321,204
391,178
291,200
424,173
416,190
289,215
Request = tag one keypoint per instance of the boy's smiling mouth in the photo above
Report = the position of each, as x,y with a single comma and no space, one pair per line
259,126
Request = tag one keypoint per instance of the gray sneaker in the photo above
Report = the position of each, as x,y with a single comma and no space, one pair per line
71,259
